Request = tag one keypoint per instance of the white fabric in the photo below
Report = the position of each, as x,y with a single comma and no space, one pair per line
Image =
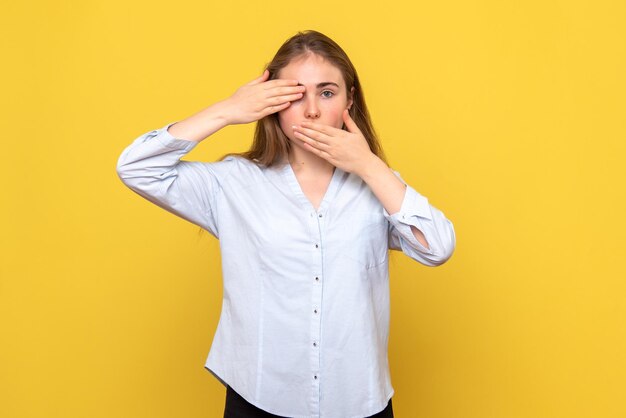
304,324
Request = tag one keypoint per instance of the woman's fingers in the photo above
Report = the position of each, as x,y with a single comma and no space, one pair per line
276,108
312,134
280,99
277,103
314,144
261,97
285,90
280,83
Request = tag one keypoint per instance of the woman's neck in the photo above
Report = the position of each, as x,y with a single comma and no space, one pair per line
308,164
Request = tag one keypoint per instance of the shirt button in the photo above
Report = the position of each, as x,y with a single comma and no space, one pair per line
315,377
320,215
317,278
316,246
315,310
314,344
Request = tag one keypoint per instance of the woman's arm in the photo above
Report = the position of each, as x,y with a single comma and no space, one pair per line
429,234
202,124
389,190
152,167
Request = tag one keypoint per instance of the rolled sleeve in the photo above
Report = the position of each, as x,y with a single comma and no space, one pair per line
437,229
166,138
152,167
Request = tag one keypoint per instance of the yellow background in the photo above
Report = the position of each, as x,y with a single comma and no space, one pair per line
508,116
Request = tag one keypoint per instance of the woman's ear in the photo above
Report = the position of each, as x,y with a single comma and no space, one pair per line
351,101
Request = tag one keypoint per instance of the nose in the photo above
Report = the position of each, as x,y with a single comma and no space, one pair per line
311,110
312,114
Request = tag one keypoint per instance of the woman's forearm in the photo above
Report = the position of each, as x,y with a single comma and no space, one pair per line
202,124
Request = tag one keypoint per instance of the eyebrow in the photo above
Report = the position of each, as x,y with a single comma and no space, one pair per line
323,84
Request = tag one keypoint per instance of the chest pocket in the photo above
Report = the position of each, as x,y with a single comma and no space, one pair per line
367,239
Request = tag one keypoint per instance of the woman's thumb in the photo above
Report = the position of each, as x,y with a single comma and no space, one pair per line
260,79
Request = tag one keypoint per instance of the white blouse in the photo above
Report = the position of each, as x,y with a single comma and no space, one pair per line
304,323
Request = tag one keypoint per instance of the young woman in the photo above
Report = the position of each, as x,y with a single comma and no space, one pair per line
305,220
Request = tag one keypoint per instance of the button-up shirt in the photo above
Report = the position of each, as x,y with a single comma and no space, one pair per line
304,323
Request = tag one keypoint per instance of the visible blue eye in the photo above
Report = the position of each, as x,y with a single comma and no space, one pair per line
328,91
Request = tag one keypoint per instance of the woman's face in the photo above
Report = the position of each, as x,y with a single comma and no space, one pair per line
324,98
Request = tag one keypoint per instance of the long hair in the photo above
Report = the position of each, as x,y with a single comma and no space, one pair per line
270,144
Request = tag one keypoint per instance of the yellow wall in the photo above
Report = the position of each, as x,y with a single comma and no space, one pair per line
508,116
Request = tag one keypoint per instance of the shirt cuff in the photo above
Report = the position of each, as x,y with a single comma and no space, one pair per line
414,206
166,138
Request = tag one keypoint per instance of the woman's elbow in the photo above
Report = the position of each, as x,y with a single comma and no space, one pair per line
443,252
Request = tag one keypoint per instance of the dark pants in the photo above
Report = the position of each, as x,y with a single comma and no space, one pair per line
238,407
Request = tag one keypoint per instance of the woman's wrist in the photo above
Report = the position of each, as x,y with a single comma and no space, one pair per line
202,124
